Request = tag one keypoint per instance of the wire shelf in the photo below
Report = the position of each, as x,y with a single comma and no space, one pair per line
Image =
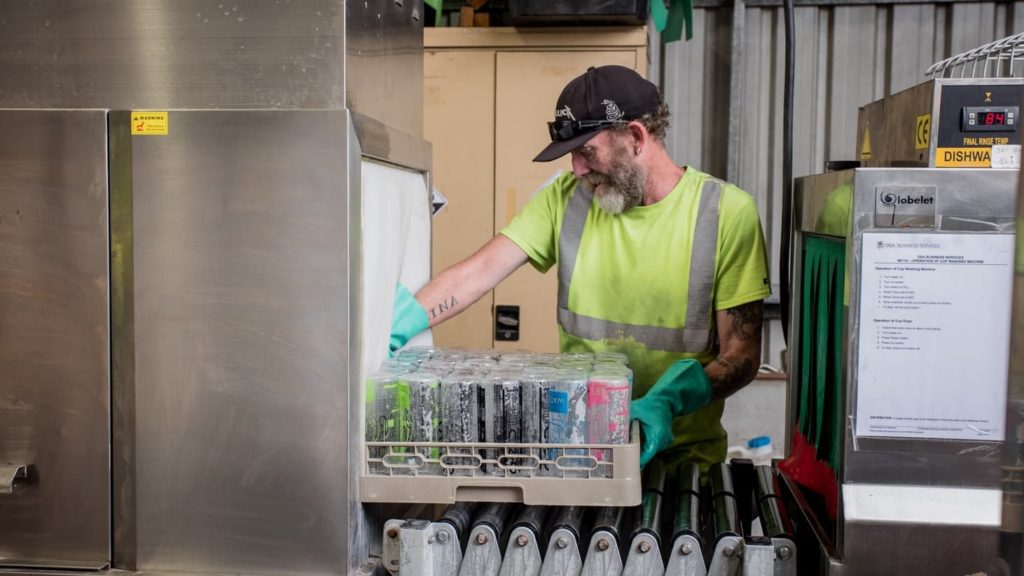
1002,58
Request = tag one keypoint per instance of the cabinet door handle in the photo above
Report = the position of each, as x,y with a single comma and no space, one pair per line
506,323
9,474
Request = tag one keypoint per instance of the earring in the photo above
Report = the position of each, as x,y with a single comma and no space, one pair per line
637,151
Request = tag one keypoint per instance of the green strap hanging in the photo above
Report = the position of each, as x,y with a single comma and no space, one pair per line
659,14
672,20
437,5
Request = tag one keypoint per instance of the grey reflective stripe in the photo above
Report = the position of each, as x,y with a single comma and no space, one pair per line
654,337
695,337
569,240
702,269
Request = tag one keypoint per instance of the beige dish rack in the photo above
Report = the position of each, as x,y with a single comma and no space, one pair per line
535,474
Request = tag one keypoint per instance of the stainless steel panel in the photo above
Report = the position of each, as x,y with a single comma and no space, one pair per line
364,528
384,59
964,198
54,337
241,319
893,487
172,54
258,54
883,548
1013,452
382,142
817,200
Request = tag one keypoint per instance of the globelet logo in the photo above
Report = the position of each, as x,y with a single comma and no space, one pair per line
891,200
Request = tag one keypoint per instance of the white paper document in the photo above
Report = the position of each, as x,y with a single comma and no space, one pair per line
934,335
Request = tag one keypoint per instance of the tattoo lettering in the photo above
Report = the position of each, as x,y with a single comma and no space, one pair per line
443,306
747,320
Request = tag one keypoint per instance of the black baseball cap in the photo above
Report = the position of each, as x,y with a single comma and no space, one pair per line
601,97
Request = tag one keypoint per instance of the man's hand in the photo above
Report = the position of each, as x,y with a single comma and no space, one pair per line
682,389
409,319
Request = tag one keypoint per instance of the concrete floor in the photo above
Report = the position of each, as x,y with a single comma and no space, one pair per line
759,409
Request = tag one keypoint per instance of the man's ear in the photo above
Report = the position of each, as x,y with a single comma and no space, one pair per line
639,133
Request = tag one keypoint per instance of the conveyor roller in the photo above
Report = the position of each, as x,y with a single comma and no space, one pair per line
644,553
686,557
726,533
564,557
707,530
483,550
523,554
604,555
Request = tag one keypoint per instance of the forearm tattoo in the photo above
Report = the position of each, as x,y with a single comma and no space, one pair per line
747,320
735,372
730,373
443,306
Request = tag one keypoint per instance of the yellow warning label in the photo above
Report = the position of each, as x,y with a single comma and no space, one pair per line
149,123
963,157
922,134
865,146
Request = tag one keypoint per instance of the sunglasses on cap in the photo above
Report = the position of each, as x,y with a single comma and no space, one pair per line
562,130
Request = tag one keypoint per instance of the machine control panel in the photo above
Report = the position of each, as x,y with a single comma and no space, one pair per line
945,123
989,119
977,125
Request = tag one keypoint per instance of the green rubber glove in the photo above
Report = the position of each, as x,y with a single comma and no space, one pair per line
409,319
682,389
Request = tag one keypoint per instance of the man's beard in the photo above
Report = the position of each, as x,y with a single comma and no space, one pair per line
621,188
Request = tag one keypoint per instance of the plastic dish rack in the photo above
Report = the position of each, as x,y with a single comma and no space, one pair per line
535,474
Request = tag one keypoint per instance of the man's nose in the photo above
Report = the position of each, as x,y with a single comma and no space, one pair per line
580,167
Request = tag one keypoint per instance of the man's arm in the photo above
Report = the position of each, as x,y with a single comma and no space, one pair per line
458,287
739,342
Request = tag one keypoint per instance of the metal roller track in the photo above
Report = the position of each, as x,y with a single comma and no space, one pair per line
420,548
644,557
524,552
706,536
460,517
604,556
392,545
483,550
685,557
778,550
563,557
770,508
726,557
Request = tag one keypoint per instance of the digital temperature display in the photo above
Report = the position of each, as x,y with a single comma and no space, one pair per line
992,119
989,119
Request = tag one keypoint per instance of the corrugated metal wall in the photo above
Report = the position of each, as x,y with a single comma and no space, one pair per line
847,55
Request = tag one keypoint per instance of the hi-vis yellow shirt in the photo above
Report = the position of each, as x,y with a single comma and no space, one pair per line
634,269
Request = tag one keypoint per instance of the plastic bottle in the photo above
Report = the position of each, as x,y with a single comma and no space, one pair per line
759,449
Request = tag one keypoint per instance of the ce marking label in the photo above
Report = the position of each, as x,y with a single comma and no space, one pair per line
922,133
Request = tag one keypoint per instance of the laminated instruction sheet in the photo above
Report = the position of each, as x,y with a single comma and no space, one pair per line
934,335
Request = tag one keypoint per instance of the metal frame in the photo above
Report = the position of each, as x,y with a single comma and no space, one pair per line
872,468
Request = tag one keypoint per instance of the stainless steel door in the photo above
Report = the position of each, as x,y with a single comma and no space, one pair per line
235,324
54,338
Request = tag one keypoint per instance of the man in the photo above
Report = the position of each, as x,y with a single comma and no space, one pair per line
661,262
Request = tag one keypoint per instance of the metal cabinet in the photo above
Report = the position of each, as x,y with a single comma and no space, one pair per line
233,318
488,94
54,339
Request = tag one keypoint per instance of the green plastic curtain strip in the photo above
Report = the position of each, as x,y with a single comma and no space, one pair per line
820,416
